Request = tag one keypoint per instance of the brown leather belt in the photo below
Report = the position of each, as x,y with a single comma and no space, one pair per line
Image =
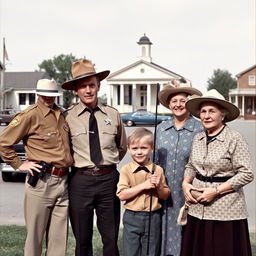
57,171
96,171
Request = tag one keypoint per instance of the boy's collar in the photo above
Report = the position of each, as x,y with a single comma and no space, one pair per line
149,166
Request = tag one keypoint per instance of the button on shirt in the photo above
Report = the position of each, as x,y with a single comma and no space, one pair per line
111,134
130,178
45,135
226,155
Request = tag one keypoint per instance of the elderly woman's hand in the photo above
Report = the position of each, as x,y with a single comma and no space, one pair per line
208,195
187,187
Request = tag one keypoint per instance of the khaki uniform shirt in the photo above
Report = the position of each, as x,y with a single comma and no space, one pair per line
45,135
226,155
129,178
111,135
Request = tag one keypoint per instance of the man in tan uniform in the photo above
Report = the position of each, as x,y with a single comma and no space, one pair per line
99,143
45,135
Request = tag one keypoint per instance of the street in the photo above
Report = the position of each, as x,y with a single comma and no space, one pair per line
12,193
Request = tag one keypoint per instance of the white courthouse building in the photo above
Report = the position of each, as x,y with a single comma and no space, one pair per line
135,86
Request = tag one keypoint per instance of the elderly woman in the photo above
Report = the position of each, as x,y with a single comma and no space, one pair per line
219,166
173,146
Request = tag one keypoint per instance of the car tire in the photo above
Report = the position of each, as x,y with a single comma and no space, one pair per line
6,176
129,123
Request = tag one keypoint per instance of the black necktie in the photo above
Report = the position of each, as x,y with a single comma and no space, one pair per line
94,140
142,168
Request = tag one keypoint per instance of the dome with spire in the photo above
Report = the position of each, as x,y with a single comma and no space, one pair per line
144,40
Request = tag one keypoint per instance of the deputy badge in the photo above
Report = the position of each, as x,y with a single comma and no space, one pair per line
15,121
108,121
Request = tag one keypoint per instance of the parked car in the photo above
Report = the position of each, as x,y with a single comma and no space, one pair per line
8,173
6,116
141,117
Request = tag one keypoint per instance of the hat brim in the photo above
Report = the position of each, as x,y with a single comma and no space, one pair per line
69,85
193,106
164,95
49,94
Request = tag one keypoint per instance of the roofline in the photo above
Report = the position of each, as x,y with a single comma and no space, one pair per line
248,69
152,64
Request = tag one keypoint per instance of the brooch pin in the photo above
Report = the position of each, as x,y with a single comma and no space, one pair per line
108,121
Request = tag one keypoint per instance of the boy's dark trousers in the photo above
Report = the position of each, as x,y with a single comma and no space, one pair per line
135,234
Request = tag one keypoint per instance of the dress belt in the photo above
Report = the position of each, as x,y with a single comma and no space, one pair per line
57,171
96,171
212,178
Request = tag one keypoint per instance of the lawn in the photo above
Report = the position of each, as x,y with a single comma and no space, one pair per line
12,241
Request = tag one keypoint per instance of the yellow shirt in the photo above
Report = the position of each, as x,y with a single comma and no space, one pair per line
45,135
111,134
129,178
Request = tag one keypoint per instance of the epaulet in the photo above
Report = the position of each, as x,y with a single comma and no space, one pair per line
71,107
108,106
26,110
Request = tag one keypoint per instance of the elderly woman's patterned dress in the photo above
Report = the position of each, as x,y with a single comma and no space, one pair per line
172,153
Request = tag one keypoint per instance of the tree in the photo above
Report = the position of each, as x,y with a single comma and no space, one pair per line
222,81
59,68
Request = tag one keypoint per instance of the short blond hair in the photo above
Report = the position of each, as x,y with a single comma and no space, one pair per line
137,134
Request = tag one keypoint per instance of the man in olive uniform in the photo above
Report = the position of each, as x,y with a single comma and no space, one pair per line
45,135
99,143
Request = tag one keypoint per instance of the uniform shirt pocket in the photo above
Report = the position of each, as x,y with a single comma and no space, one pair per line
79,137
108,138
50,138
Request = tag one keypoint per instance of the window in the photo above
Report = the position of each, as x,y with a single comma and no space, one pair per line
252,80
32,98
22,98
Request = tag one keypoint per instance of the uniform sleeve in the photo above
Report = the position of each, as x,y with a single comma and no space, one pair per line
121,141
241,162
12,134
123,182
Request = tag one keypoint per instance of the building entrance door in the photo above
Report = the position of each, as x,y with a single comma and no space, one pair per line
143,97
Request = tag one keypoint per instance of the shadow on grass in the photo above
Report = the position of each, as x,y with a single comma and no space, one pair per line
12,239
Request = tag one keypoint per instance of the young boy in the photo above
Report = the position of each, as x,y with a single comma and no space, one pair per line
138,179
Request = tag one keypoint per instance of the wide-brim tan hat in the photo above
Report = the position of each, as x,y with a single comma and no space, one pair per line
82,69
169,90
194,104
46,87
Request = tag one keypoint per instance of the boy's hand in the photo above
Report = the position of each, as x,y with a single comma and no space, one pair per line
154,179
148,183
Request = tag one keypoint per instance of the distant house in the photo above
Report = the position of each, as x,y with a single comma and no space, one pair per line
244,96
19,89
135,86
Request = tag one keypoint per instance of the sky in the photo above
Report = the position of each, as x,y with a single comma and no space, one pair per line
190,37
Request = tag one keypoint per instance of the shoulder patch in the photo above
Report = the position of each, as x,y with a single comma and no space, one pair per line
15,121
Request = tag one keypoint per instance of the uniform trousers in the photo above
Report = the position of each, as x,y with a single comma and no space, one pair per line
86,194
46,212
135,235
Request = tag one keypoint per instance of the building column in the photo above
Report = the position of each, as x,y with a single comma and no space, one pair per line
122,98
133,97
149,93
160,106
110,95
242,106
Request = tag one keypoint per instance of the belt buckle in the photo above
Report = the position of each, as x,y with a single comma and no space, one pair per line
94,170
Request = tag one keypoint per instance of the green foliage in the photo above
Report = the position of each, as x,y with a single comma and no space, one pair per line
222,81
103,99
59,68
